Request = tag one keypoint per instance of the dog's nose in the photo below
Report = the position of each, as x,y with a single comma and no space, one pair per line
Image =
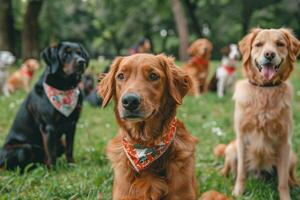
131,101
269,55
81,62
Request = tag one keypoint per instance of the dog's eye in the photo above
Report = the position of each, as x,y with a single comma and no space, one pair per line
259,44
120,76
153,76
280,44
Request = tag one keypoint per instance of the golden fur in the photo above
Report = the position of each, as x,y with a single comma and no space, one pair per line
213,195
19,80
200,49
172,176
263,115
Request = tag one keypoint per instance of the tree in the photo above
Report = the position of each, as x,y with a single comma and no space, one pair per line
192,9
182,28
6,26
30,37
249,7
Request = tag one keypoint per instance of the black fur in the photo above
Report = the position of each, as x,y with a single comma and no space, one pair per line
36,133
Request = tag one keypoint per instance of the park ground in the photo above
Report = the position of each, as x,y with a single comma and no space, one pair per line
208,118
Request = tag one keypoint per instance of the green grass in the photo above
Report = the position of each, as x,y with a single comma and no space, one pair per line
208,117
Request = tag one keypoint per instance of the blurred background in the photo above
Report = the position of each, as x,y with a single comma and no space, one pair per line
110,27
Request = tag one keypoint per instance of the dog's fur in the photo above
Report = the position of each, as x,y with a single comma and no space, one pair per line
263,115
21,78
225,76
6,59
198,71
213,195
172,176
35,136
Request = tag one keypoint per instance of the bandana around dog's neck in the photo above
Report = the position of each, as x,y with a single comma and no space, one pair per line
141,157
229,69
63,101
26,72
199,61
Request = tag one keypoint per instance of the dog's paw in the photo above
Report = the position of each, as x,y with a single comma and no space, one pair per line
238,190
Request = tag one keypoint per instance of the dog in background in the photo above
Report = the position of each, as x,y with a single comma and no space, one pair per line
197,68
50,110
225,76
263,115
21,78
6,60
153,155
89,91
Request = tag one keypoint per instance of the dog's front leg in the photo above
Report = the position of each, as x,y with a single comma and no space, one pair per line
241,170
5,90
283,172
221,87
49,142
70,133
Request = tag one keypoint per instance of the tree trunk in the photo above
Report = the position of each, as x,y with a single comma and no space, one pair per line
182,28
192,7
30,45
6,26
246,15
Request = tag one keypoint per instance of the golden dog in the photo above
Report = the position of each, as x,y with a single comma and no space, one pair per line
197,68
21,79
263,114
153,153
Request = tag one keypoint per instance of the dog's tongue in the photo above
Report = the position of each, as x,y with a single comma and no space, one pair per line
268,72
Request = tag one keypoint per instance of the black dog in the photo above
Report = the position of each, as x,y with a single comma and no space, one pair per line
50,110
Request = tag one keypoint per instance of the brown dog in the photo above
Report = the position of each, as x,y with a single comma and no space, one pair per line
263,114
21,78
153,153
197,68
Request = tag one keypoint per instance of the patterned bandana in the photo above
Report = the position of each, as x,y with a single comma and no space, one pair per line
64,101
141,157
199,61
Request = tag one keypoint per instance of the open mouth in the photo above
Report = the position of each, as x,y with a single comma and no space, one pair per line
269,69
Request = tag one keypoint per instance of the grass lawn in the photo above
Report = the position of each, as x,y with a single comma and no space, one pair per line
208,117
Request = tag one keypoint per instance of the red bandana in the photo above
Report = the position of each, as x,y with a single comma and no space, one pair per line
229,69
199,61
141,157
64,101
27,73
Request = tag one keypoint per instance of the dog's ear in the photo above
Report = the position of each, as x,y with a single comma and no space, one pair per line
85,54
51,58
246,42
178,82
106,86
293,44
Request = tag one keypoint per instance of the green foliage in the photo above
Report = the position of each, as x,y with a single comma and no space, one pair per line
111,27
208,117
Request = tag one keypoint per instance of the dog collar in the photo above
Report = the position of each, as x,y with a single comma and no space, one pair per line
266,84
27,73
63,101
141,157
229,69
199,61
